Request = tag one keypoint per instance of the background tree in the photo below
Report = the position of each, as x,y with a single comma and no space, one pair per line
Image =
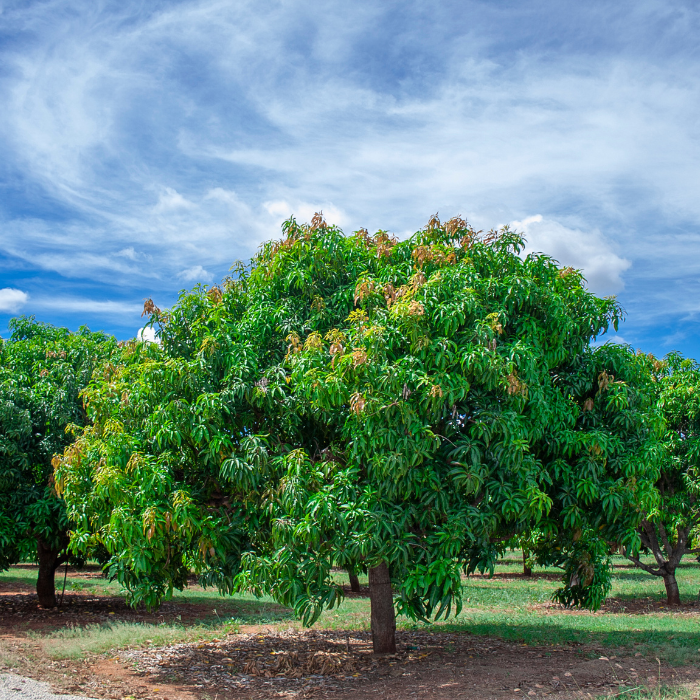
42,372
349,401
670,526
604,464
354,580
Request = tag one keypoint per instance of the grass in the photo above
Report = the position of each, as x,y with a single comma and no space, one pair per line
8,659
511,609
674,640
508,609
26,575
246,608
663,692
76,642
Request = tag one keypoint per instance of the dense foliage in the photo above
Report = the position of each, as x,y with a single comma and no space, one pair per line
604,465
669,526
402,407
42,372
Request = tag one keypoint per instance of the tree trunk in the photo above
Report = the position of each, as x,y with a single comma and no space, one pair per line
527,571
45,583
354,581
672,595
382,607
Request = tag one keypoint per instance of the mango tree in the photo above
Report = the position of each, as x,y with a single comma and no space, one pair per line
670,525
42,372
604,465
636,487
351,401
461,447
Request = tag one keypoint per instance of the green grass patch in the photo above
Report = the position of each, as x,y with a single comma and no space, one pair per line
24,577
663,692
78,580
673,638
508,609
243,609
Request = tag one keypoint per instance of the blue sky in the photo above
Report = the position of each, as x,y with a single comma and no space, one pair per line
144,147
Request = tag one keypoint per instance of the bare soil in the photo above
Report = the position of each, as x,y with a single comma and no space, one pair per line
260,663
325,664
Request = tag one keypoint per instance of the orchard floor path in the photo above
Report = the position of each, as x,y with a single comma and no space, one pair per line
14,687
95,646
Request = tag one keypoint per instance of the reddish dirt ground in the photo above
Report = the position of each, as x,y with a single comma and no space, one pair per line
435,666
262,663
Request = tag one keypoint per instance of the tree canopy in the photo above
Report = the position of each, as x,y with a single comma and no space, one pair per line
669,524
42,372
603,469
403,407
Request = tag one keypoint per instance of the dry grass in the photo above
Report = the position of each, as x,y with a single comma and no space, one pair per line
76,642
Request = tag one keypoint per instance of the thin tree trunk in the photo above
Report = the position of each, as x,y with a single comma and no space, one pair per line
45,583
668,558
382,610
527,571
672,595
354,581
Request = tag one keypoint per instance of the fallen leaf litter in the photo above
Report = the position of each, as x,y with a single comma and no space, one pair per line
326,663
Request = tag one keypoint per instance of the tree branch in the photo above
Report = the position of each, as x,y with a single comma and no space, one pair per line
653,541
679,550
664,539
645,567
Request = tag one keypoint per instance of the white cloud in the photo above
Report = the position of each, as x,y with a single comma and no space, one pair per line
86,306
128,253
195,274
12,300
588,251
615,339
674,338
147,335
223,195
170,200
280,210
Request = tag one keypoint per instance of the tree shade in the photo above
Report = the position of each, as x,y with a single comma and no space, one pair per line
355,401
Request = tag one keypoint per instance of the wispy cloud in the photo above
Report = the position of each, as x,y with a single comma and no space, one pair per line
195,274
673,339
154,145
94,307
613,338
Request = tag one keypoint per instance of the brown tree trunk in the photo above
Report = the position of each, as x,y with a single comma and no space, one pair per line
667,556
45,583
382,610
673,597
527,571
354,581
